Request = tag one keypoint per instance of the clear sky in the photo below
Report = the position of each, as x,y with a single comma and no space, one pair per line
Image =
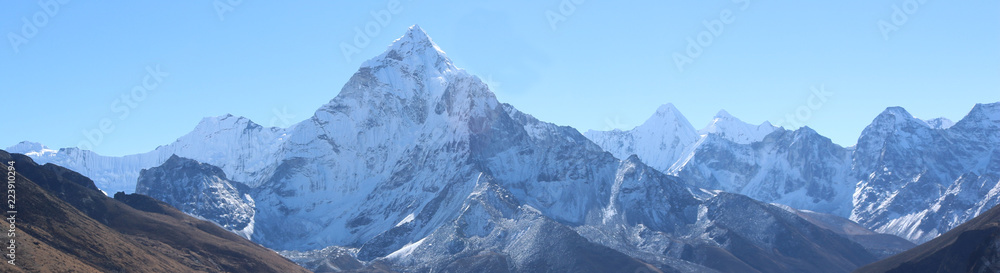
65,66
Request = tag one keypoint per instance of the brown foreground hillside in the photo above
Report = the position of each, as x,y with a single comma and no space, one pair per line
65,224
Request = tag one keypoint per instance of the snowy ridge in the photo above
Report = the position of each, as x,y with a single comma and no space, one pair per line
242,148
735,130
764,162
660,141
940,123
918,180
906,176
31,149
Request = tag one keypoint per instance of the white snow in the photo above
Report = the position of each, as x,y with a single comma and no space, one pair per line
405,251
243,149
735,130
407,219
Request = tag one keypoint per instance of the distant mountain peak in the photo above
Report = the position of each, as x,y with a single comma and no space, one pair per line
25,146
226,121
722,114
729,127
806,130
986,111
416,34
668,115
176,162
29,148
667,108
983,117
415,47
896,111
940,123
895,116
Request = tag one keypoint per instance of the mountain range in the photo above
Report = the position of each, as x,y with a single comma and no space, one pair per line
415,166
906,176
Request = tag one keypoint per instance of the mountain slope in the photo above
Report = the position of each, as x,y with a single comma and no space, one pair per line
497,234
882,245
201,190
918,181
971,247
68,225
798,168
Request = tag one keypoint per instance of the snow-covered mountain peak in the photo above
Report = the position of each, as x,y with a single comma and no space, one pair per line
415,34
667,130
918,179
896,115
413,71
729,127
667,116
990,110
24,146
983,115
668,108
940,123
414,50
228,121
982,122
894,121
806,131
722,114
29,148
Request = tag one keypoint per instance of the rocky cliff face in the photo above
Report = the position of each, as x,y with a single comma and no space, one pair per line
918,180
200,190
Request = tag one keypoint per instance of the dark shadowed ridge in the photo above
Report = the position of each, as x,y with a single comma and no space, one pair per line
971,247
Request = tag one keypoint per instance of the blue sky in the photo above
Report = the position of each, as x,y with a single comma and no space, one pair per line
587,64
